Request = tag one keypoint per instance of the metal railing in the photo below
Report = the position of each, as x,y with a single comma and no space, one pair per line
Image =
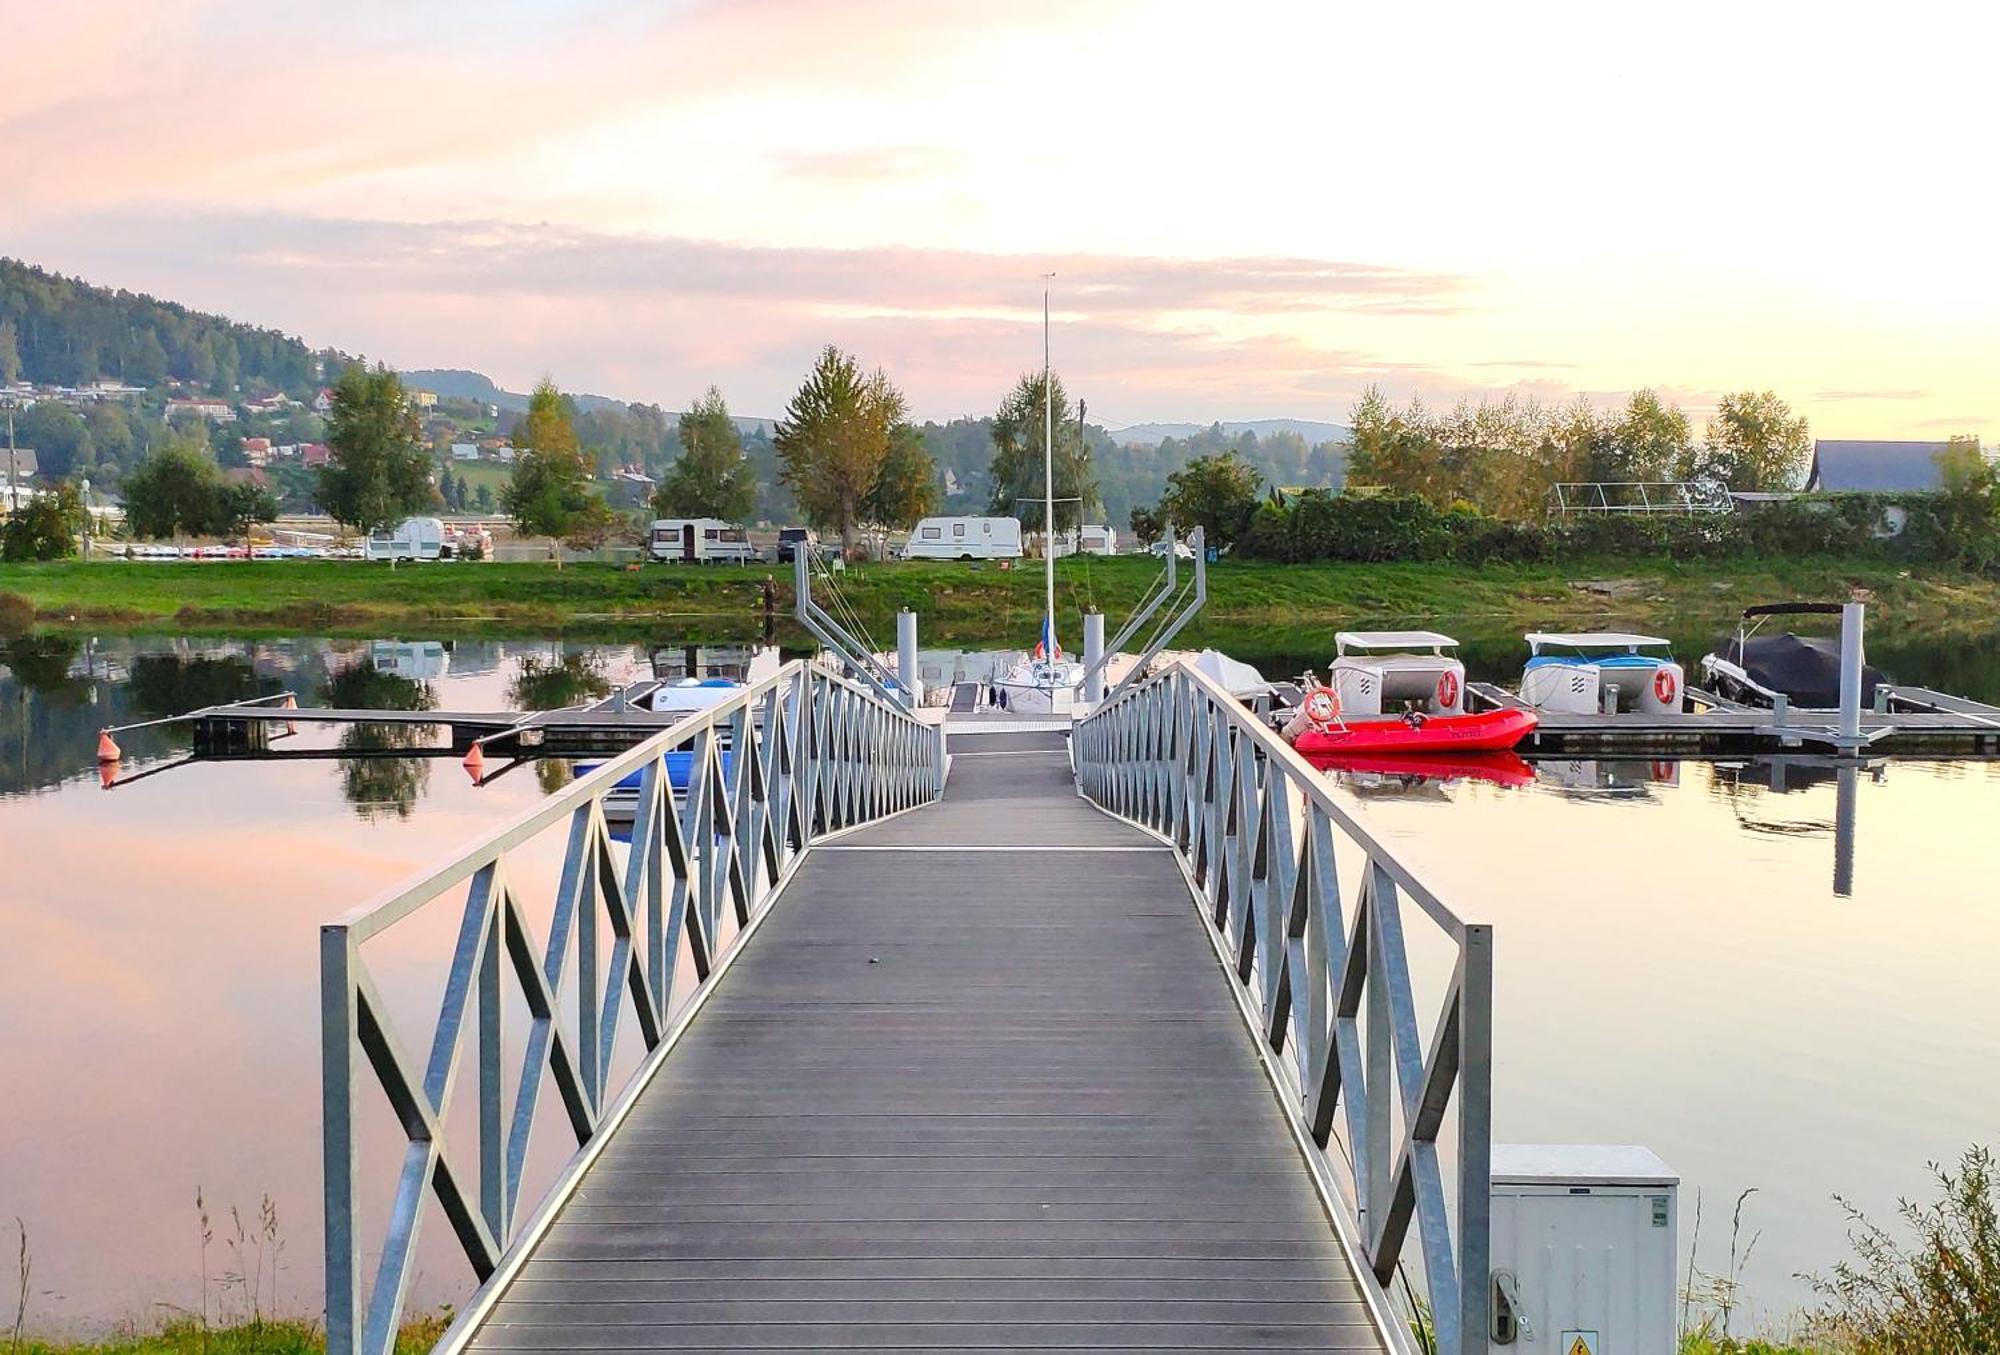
1324,973
762,776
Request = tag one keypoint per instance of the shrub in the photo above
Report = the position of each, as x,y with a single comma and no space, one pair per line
1938,1296
17,614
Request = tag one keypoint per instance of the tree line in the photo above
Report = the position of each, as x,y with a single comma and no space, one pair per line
63,331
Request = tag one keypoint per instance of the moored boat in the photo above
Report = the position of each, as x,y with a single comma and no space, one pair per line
1388,672
1601,672
1484,731
1803,669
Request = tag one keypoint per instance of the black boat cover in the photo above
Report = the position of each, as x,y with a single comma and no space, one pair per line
1806,668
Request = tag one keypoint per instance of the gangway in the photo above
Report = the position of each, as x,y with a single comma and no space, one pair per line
975,1046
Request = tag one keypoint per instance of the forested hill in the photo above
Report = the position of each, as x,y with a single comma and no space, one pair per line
61,331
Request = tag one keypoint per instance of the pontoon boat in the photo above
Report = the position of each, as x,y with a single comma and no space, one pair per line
1387,672
1592,672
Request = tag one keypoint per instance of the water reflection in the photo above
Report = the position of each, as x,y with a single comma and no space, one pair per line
552,683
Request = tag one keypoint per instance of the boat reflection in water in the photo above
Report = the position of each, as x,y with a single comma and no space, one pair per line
1415,776
1607,778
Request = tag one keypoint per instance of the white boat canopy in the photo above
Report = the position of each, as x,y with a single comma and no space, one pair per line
1393,639
1601,639
1232,675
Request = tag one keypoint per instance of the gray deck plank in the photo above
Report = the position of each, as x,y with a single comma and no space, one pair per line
955,1101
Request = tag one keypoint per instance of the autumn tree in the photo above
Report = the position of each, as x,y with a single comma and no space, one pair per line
1020,443
834,438
906,487
711,479
549,495
1754,443
379,472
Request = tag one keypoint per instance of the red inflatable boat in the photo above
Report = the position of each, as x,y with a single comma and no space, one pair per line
1489,731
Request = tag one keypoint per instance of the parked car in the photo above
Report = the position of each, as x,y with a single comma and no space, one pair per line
791,538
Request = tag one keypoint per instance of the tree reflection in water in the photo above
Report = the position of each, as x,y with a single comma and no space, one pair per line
551,684
376,783
553,773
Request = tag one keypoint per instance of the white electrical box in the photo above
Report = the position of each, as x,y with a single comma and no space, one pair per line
1583,1250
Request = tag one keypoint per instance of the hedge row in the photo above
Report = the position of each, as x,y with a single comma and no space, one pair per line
1318,525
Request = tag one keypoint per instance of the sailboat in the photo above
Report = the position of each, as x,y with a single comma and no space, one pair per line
1045,682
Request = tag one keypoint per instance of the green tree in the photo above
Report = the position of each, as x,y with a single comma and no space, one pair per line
45,527
1215,493
59,436
1146,526
906,487
1019,443
550,491
1754,443
1968,506
239,506
1651,441
172,492
834,438
482,497
10,353
711,478
378,473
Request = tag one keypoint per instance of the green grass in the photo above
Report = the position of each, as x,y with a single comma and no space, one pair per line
960,600
188,1336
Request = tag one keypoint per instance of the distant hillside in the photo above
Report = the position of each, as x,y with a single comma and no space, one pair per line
456,384
57,330
1153,434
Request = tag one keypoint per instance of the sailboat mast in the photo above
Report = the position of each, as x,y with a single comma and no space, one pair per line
1048,479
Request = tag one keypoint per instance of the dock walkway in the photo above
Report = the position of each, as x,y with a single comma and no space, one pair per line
977,1083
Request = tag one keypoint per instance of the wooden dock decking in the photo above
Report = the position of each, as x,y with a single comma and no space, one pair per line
977,1083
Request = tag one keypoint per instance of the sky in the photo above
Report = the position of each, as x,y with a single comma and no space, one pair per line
1251,210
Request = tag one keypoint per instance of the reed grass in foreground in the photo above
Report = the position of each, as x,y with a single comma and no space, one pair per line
272,1336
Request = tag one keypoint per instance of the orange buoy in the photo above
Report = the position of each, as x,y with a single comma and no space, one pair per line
475,762
291,703
107,774
107,747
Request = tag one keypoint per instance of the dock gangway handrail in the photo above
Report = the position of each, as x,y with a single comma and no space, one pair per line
799,755
1324,974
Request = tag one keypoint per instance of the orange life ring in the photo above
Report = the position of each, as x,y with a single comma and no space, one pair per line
1663,685
1322,707
1447,690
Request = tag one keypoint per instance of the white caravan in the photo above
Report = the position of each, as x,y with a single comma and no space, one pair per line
1099,540
410,539
965,539
700,541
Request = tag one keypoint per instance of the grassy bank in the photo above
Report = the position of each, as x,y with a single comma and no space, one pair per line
190,1336
958,600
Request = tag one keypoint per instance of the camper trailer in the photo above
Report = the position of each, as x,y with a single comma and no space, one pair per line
1097,539
965,538
410,539
695,541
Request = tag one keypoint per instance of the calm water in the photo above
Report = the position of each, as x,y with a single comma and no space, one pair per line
1676,964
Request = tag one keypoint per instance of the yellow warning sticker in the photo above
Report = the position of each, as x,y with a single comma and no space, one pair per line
1578,1343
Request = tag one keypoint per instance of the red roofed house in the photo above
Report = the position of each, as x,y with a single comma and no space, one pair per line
257,451
315,454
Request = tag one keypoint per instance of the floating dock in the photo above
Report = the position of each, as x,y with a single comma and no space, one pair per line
1907,721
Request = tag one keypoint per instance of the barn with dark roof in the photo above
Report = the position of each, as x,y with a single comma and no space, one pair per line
1850,466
